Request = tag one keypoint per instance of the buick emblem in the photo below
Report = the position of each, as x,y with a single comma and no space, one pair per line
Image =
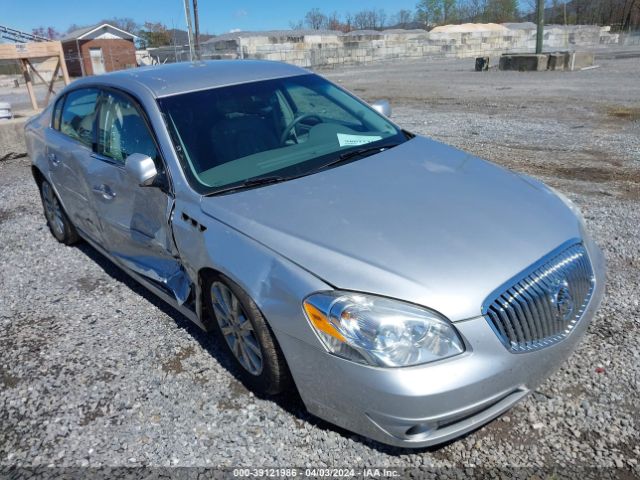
561,300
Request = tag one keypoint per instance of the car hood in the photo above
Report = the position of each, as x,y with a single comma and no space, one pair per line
421,222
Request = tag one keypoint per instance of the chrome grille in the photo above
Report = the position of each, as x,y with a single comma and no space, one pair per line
545,304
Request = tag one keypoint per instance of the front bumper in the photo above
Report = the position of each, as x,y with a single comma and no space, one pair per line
430,404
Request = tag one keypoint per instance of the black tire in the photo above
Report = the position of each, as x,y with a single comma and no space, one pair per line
57,220
274,376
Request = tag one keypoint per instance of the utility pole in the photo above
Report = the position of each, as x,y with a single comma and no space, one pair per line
196,24
189,30
540,23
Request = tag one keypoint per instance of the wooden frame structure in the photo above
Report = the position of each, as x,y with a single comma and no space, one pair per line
23,53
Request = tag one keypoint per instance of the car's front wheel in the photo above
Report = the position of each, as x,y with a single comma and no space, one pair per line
57,219
247,336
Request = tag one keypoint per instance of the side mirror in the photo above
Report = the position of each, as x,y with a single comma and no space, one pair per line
383,107
142,168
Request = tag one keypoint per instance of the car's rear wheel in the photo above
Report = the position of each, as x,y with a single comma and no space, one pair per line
246,336
59,224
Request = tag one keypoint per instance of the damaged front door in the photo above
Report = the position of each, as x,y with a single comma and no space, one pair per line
134,219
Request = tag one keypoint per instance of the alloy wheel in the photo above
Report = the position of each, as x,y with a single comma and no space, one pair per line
236,328
53,209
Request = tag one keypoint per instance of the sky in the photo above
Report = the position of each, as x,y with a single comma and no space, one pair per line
215,16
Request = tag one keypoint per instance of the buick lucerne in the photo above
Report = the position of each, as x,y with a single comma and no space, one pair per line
409,291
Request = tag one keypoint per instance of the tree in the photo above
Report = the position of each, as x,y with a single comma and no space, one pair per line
403,18
555,14
500,11
429,12
369,19
334,23
449,11
72,27
471,10
315,19
154,35
299,25
361,20
381,19
348,22
123,23
48,32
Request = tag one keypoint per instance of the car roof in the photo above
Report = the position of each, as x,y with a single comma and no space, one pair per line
174,78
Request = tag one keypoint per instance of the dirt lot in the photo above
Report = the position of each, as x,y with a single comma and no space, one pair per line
95,371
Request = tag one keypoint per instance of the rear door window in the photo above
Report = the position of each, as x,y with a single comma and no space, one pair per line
78,115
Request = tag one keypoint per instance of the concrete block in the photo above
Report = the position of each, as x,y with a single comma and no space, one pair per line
557,61
312,39
578,60
524,62
12,137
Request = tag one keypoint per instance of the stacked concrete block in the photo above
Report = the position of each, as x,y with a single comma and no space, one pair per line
317,48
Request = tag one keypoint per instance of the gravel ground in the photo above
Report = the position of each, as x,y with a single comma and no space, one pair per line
95,371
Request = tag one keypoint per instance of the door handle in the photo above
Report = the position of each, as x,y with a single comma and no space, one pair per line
53,158
104,191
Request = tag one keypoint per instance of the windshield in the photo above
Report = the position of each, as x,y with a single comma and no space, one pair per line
280,129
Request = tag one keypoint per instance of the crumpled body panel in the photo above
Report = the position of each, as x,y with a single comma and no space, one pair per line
169,274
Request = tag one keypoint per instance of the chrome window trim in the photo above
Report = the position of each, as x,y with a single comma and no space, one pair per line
108,160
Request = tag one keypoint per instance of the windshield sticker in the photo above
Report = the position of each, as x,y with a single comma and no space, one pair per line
346,140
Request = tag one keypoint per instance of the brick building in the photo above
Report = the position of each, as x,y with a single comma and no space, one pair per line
98,49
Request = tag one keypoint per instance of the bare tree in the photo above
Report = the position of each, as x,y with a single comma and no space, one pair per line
348,22
369,19
620,14
381,19
299,25
361,20
333,22
403,18
315,19
46,32
123,23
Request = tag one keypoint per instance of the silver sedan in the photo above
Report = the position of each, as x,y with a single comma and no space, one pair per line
409,291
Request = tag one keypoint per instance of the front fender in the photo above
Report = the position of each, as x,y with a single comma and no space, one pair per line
277,285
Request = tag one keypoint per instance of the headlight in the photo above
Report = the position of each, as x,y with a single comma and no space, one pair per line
379,331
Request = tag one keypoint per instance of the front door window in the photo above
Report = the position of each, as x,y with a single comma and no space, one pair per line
122,130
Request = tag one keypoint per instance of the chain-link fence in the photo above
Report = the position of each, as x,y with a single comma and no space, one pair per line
629,39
